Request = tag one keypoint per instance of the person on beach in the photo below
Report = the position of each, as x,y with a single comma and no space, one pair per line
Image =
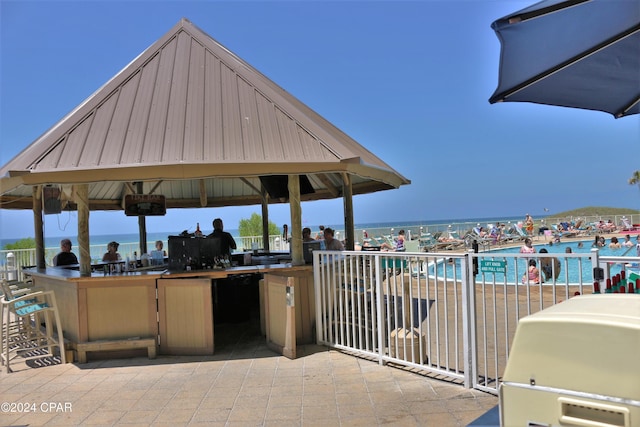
332,244
227,242
533,274
528,224
496,234
527,248
399,247
550,266
65,256
320,235
112,252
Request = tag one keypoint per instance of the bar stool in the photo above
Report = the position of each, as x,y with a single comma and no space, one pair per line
23,313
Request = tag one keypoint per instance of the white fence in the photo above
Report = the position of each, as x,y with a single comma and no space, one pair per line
429,311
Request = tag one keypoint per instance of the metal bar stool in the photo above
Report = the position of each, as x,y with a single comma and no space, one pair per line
23,315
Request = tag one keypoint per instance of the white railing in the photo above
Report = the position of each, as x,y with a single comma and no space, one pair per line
429,311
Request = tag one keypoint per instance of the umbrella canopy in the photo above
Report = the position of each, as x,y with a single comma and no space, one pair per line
572,53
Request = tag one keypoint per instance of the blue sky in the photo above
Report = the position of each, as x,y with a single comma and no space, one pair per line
408,80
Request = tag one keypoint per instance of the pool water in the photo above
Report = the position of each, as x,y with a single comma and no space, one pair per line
572,270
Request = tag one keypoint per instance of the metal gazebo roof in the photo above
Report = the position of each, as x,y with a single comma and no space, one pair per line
192,121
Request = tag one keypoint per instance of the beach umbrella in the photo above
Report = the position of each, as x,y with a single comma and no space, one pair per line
572,53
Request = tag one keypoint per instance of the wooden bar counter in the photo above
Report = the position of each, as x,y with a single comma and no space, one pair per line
173,307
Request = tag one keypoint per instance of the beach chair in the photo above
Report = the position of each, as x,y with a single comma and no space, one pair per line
376,241
511,235
582,229
454,241
482,240
558,232
523,234
626,225
426,242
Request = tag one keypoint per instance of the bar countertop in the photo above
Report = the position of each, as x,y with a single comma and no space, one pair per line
74,275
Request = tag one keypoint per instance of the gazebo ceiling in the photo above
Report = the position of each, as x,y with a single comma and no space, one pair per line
190,120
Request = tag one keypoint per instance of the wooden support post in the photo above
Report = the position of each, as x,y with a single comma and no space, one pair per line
297,257
38,225
349,227
82,201
265,219
290,345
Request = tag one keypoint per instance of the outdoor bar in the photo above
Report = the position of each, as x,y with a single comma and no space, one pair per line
186,124
108,312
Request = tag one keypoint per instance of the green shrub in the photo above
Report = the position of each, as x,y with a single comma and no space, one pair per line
253,226
28,243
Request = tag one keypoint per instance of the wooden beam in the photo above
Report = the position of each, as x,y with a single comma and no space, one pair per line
127,189
332,189
155,187
253,187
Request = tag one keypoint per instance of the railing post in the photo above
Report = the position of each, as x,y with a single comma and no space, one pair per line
318,286
595,263
469,341
379,309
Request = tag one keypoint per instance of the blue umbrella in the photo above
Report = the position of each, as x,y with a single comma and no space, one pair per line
572,53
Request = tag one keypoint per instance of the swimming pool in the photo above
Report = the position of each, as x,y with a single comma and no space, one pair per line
572,269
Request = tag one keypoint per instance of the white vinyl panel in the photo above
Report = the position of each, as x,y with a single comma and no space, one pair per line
99,154
194,120
154,137
231,129
251,149
272,144
120,122
174,135
212,109
135,138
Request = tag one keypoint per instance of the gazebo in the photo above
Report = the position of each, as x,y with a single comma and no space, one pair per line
188,124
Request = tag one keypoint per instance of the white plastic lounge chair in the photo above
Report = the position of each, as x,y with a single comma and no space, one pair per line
563,233
626,225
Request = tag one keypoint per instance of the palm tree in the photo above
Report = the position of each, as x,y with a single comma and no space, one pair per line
635,179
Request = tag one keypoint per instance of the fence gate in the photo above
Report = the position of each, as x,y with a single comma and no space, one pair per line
430,311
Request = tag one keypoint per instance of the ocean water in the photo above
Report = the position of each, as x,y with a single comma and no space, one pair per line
373,228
